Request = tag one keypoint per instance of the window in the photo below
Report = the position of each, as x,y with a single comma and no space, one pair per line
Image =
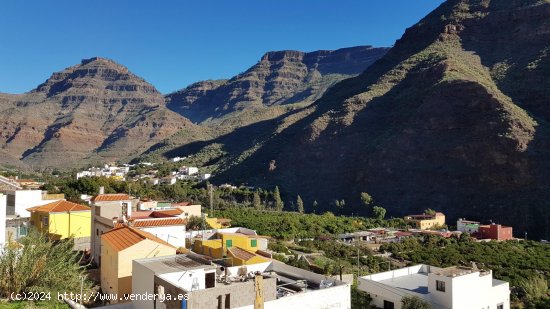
388,305
45,221
125,209
500,306
440,285
23,230
227,301
97,232
229,243
254,243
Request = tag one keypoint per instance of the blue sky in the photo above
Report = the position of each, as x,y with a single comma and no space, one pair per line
175,43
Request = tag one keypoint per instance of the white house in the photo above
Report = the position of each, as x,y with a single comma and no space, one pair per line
205,283
2,220
444,288
466,226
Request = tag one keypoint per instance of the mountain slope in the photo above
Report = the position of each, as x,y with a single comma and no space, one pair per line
281,83
96,110
454,117
265,90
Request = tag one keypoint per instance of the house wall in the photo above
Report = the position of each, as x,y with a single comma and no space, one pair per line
3,200
475,291
100,225
144,249
465,291
174,235
116,266
191,210
108,269
22,199
75,224
495,231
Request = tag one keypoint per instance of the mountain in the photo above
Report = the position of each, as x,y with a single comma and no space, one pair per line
455,117
267,89
91,112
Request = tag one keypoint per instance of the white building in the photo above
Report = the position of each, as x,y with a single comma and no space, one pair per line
2,220
466,226
207,285
444,288
189,170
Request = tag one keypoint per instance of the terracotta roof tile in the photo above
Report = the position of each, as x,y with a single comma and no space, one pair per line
59,206
241,253
158,222
111,197
124,237
166,212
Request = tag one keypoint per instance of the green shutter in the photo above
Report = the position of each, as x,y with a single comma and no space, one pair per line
254,243
229,243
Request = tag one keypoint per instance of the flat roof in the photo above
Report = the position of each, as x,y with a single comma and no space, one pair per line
175,263
414,282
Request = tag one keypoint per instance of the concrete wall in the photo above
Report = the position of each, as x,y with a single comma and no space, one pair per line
2,220
241,295
338,297
142,282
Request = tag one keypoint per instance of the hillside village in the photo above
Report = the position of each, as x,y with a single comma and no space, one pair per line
136,245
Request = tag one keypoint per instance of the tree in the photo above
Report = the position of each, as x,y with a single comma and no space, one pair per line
279,205
429,211
535,287
256,201
300,204
414,302
378,212
314,206
366,198
41,265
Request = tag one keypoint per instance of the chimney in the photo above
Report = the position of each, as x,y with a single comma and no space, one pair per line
102,190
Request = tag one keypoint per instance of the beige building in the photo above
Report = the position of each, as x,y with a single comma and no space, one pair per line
105,207
426,221
119,248
189,210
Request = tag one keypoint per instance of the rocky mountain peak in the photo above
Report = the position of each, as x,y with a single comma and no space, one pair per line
97,74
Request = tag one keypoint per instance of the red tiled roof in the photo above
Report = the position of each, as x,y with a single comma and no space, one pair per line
182,204
241,253
111,197
156,222
124,237
59,206
166,213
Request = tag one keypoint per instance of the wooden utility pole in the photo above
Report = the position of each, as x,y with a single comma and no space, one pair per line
259,289
210,193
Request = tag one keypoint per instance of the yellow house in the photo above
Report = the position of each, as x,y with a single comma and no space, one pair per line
238,247
426,221
218,223
119,247
62,219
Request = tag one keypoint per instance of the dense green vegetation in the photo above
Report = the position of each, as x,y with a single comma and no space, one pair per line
293,225
39,265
